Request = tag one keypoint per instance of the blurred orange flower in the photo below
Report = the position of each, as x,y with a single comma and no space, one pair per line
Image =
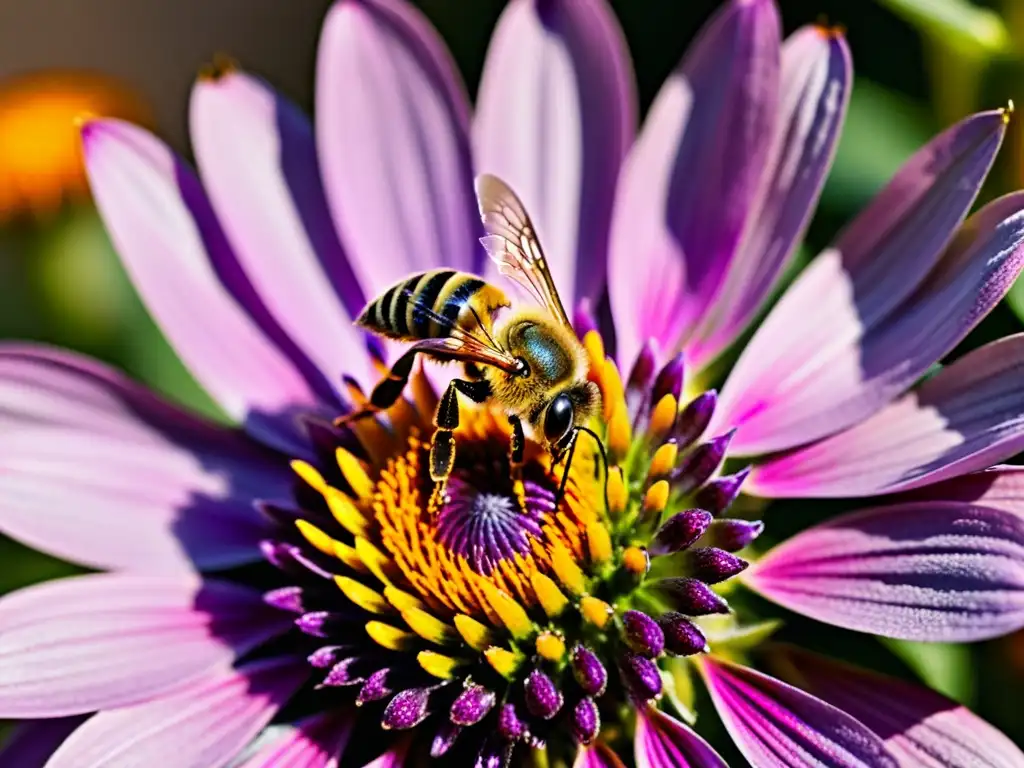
40,153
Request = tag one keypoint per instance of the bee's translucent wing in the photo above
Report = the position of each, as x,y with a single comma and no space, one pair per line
512,244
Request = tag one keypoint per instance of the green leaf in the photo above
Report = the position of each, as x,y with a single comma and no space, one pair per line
957,23
946,667
1015,298
677,683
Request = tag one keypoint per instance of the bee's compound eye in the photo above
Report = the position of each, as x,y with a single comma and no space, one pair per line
558,419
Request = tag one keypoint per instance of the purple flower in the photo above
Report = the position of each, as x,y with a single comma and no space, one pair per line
280,560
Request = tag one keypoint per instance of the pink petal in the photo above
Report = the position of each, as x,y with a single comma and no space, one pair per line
1001,487
816,76
257,156
942,571
32,742
203,725
179,261
662,741
774,724
316,742
391,124
96,469
920,727
597,755
555,115
859,325
95,642
672,238
967,417
393,758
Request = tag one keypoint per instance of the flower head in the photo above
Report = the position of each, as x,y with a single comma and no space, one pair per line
556,607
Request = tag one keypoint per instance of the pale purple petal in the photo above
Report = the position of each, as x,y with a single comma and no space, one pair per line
98,470
775,724
816,76
31,743
874,311
1001,487
391,127
316,742
94,642
393,758
203,724
180,262
597,755
662,741
968,416
257,157
929,570
555,115
693,177
920,727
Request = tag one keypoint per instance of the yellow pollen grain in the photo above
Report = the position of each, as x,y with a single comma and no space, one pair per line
346,513
613,395
511,613
389,637
656,498
477,636
438,665
599,542
567,571
354,473
549,595
315,536
503,661
619,435
663,460
350,557
596,611
594,346
550,646
429,627
618,496
362,595
662,418
401,600
309,475
636,560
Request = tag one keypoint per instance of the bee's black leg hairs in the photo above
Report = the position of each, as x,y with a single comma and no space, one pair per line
568,465
387,391
442,446
516,447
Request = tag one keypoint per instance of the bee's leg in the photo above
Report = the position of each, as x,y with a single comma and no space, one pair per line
516,446
446,420
565,472
387,391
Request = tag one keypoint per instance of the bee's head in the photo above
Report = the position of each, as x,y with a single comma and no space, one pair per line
569,409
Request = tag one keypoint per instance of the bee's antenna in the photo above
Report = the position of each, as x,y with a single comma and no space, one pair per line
568,464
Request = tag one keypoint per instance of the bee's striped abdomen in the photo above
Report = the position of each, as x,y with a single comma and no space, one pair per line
428,304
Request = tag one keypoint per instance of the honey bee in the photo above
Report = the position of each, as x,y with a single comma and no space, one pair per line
528,360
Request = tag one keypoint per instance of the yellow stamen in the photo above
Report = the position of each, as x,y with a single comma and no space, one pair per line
618,496
350,557
503,661
355,474
512,615
596,611
550,646
375,560
389,637
655,499
636,560
612,394
428,626
599,542
662,418
346,512
567,571
594,344
316,537
438,664
401,600
310,475
362,595
663,460
619,435
476,635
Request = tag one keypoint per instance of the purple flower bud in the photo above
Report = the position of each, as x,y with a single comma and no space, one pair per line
345,672
472,705
643,634
719,494
588,670
670,380
692,597
682,638
586,721
291,559
445,738
325,657
641,676
543,699
712,565
639,382
701,463
732,534
510,726
407,710
375,688
695,418
314,623
286,599
680,531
